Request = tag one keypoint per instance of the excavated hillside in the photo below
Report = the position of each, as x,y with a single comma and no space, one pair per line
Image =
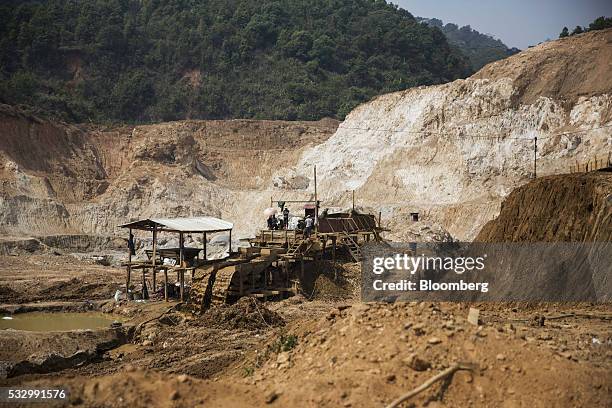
574,208
452,152
67,179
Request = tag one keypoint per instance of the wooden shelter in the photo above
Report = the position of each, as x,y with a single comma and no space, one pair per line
183,257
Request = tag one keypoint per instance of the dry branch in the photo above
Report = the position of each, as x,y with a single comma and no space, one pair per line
446,373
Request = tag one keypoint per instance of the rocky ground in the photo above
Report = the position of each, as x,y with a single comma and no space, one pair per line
332,351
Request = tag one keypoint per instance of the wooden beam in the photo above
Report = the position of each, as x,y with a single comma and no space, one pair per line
166,284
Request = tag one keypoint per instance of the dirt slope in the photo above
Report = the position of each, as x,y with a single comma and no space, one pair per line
570,207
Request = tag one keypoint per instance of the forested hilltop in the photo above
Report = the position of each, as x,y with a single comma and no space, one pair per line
153,60
479,48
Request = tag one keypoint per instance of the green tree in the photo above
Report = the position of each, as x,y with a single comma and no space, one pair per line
140,61
601,23
578,30
564,33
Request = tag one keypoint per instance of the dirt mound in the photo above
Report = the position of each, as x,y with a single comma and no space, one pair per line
568,207
325,288
246,314
368,354
147,388
326,280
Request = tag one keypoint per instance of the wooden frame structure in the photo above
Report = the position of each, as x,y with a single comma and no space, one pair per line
181,226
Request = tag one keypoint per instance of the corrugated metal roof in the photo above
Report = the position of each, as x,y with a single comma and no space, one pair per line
191,224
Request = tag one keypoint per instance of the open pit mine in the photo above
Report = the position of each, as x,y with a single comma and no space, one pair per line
219,263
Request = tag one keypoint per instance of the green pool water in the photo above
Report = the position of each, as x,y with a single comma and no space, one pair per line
55,321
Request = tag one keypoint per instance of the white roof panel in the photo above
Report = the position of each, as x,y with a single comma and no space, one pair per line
193,224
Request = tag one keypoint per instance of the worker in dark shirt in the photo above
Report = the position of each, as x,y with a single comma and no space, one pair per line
286,217
131,244
271,222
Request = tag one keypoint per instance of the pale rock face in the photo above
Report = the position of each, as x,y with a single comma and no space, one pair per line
448,149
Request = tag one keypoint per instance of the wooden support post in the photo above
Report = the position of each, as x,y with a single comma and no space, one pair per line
316,217
144,284
324,246
302,268
181,249
129,267
204,246
182,283
334,249
154,258
353,200
230,242
166,284
286,270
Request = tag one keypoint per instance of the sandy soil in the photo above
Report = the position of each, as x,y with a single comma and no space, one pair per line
328,353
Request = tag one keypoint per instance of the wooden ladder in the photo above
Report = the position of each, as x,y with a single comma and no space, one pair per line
352,247
294,249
